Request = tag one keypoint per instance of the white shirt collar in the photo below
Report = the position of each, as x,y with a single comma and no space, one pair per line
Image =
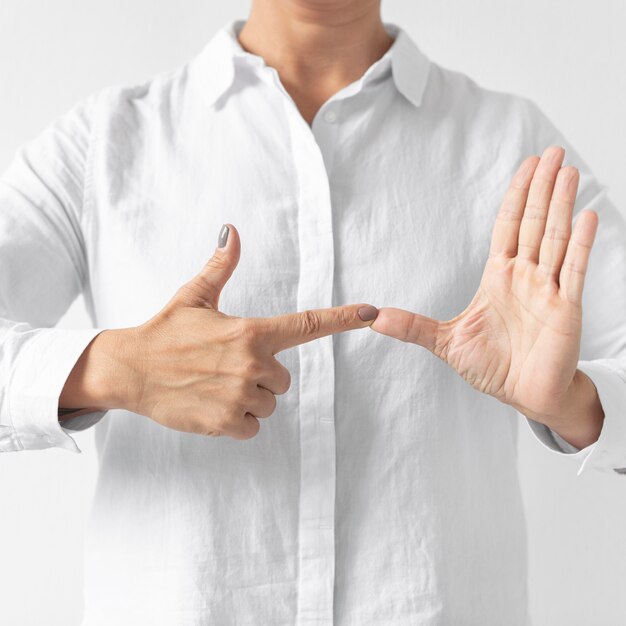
214,67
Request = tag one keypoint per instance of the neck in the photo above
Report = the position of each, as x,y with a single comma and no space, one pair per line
316,46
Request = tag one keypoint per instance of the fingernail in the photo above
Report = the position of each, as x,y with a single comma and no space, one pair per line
368,313
223,237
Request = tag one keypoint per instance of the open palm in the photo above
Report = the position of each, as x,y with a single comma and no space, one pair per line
519,338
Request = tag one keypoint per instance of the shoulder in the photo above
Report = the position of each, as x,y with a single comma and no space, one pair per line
499,126
493,113
134,102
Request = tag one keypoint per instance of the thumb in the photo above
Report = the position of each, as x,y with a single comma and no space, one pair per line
204,289
407,326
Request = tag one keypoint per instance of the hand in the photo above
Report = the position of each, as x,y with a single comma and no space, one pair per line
193,368
519,338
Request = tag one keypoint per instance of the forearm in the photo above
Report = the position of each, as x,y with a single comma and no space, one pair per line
579,419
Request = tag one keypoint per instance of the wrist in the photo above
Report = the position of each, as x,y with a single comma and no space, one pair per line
579,417
105,375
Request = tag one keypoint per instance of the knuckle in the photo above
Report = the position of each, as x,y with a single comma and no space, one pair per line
242,327
251,370
247,331
267,407
281,379
310,322
209,430
218,261
556,234
221,424
582,244
534,211
443,340
250,433
543,181
344,317
239,402
199,291
250,400
571,267
546,268
286,382
272,404
508,214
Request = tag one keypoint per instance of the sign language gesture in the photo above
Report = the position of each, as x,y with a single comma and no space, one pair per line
519,338
193,368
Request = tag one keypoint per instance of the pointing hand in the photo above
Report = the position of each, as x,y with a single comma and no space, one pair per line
193,368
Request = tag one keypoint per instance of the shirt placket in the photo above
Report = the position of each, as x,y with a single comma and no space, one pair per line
312,150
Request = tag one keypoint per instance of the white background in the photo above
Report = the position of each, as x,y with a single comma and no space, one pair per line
567,55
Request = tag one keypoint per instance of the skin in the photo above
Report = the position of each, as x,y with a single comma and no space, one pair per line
193,368
317,47
519,338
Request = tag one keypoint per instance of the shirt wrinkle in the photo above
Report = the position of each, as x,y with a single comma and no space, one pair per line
384,488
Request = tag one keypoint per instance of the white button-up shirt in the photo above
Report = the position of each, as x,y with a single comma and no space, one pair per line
384,489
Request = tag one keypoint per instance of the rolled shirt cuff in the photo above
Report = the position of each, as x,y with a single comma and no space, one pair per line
38,376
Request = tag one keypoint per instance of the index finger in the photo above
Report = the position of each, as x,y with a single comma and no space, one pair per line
293,329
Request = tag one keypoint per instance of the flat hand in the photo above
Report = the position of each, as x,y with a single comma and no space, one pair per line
519,338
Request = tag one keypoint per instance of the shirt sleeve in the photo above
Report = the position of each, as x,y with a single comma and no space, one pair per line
43,270
603,342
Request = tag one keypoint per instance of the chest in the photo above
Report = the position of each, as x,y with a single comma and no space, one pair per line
401,219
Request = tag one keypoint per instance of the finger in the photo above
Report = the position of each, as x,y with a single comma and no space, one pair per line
241,427
407,326
246,428
277,379
262,404
287,331
506,228
574,268
204,289
536,210
559,223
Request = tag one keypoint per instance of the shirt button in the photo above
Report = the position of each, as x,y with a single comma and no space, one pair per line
330,117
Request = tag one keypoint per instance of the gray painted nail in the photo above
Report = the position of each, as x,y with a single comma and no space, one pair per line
223,238
368,313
